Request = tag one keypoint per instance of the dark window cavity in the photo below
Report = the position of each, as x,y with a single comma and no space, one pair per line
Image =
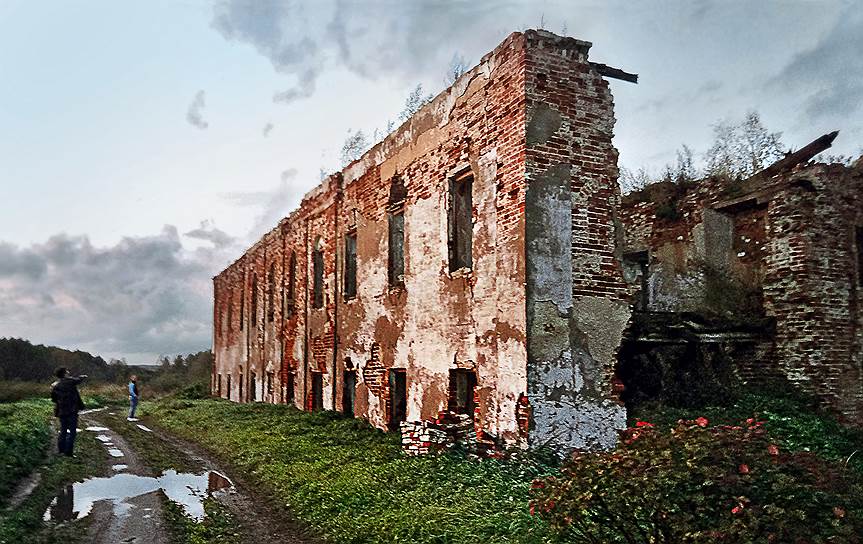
229,387
317,400
349,387
462,384
350,266
253,387
398,397
290,388
396,257
459,222
318,288
270,377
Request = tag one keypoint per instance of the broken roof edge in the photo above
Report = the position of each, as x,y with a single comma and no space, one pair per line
402,135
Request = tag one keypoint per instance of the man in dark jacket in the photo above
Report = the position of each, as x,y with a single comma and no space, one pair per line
67,403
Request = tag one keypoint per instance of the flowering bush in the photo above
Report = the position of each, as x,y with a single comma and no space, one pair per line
698,482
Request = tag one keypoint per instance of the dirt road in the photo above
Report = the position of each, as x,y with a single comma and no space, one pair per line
148,465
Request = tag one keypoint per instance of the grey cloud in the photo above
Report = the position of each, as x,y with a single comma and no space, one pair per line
219,238
143,295
371,39
831,72
194,115
20,262
267,129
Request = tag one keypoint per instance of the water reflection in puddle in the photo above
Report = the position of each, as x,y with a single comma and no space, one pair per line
120,467
96,429
75,501
114,452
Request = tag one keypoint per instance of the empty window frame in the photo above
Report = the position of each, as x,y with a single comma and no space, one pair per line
219,385
240,385
349,387
350,265
317,392
270,379
398,404
289,389
459,222
253,387
229,387
318,285
271,293
396,248
462,384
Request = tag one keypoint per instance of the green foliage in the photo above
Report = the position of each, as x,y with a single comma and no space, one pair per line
217,527
701,483
352,483
791,419
25,451
24,437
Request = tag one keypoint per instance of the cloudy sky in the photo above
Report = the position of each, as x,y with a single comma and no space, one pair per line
143,145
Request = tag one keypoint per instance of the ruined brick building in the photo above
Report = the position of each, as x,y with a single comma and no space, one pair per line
477,266
465,265
769,271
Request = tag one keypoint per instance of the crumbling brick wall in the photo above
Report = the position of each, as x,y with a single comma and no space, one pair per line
438,319
785,249
577,301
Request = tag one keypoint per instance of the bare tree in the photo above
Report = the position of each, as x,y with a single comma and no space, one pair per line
414,102
742,149
355,145
633,181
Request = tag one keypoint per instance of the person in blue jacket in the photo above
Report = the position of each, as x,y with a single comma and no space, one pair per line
133,397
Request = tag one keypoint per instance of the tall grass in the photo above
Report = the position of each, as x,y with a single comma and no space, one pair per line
351,482
24,436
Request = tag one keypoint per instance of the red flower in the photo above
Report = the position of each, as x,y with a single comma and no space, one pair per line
643,424
750,420
737,509
743,468
532,510
701,422
772,449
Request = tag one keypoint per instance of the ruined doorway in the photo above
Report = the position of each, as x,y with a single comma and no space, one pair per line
349,387
317,400
253,387
229,387
290,389
398,397
240,397
462,384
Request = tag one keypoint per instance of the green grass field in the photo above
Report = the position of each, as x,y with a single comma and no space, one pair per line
351,483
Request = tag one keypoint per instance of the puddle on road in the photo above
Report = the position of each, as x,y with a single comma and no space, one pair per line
98,429
144,428
115,452
103,438
75,501
120,467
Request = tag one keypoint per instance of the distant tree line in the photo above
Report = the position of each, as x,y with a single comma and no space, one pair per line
20,360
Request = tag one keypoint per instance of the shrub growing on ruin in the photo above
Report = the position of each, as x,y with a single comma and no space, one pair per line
701,483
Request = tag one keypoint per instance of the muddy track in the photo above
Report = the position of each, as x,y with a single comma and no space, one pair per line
139,518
